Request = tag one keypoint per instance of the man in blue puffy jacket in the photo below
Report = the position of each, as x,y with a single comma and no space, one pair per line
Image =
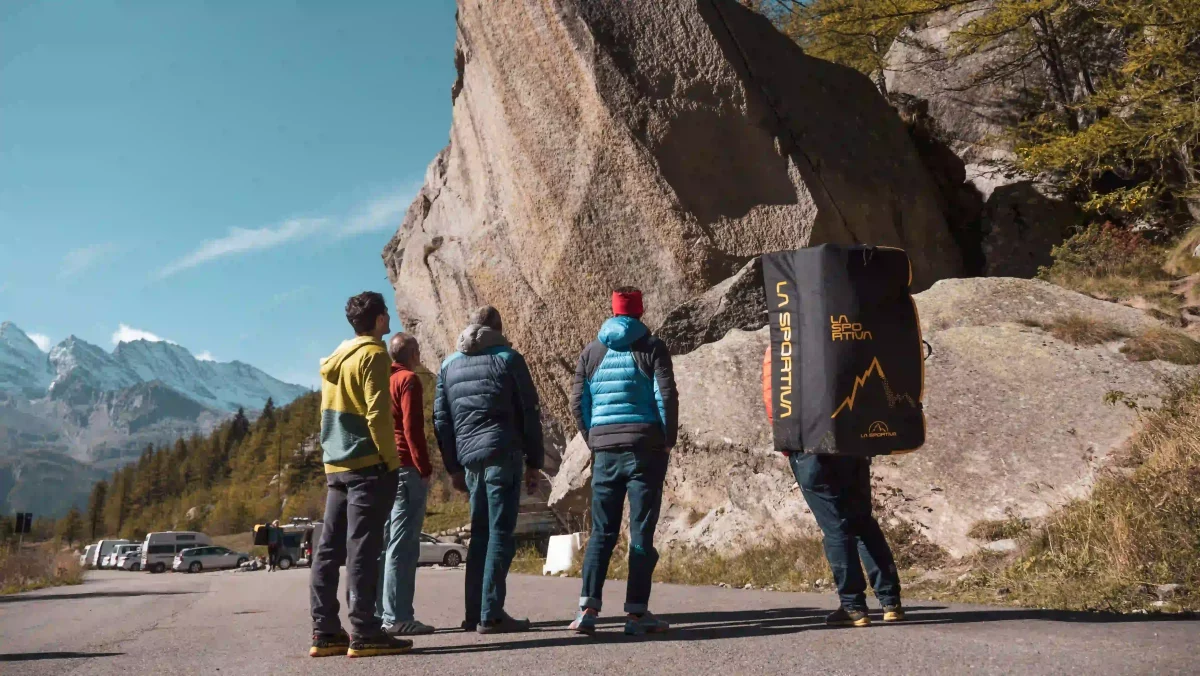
488,423
625,405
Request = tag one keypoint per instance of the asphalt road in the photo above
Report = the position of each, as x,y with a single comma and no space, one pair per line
257,623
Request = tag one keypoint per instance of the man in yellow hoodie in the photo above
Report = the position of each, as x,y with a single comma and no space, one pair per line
359,448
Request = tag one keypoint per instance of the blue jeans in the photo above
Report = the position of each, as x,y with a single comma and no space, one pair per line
614,473
495,493
401,549
838,491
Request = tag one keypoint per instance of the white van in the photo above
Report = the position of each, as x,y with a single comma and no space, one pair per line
159,549
110,561
85,561
103,549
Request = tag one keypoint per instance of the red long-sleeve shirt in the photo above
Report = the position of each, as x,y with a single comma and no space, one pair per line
408,410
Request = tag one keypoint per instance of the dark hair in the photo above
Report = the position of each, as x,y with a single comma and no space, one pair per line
361,311
487,316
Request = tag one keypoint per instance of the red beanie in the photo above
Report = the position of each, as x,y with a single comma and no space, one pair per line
628,303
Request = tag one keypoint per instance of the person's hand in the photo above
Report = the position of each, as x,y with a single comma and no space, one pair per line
459,481
532,478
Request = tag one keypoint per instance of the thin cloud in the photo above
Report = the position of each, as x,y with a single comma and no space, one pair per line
79,260
128,334
206,356
241,240
382,213
40,339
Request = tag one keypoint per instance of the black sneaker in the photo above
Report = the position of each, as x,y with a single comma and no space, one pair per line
329,645
893,613
843,617
375,646
504,625
469,625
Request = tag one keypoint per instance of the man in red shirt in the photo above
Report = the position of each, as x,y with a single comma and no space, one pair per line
402,539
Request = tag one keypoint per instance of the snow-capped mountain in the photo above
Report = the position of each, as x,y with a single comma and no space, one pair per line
76,371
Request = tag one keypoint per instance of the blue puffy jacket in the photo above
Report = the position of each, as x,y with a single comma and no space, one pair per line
624,395
485,403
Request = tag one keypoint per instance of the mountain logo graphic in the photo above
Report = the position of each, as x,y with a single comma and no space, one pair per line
892,398
877,430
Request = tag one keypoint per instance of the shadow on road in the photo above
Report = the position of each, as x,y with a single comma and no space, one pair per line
21,598
708,626
31,657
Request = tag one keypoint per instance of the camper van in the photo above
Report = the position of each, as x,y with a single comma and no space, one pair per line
159,549
103,549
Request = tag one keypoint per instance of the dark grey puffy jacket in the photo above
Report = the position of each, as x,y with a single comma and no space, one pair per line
485,403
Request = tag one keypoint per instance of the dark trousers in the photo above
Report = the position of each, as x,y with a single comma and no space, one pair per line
272,556
495,493
838,491
640,474
356,509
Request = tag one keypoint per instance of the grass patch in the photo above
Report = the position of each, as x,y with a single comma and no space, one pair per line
1180,260
528,560
1080,330
1112,550
445,515
37,568
1165,345
999,529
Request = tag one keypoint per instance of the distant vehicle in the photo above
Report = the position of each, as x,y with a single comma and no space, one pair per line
103,549
196,559
86,560
159,549
445,553
110,561
131,560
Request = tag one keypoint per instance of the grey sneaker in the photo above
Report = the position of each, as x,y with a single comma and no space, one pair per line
585,623
410,628
504,625
646,623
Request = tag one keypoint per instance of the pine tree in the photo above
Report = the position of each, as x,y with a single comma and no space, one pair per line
70,527
95,513
268,412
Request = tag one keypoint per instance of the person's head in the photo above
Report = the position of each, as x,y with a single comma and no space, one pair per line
404,349
368,314
627,302
486,316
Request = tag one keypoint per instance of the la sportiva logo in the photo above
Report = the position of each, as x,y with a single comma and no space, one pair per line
841,328
877,430
785,353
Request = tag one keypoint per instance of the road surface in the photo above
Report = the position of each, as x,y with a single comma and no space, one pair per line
257,623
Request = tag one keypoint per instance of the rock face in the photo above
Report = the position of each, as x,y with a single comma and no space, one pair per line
736,303
664,144
974,100
1017,422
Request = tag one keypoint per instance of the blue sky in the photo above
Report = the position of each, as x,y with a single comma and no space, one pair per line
221,174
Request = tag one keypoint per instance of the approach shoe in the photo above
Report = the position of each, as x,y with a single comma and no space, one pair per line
329,645
843,617
585,623
893,613
646,623
504,624
409,628
375,646
468,625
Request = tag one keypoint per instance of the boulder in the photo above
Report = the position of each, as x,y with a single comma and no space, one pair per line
1017,422
973,101
736,303
664,144
571,488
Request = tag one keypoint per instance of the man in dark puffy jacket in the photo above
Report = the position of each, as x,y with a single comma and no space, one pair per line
625,405
488,425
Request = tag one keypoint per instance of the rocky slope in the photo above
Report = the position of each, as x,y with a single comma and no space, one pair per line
1017,423
660,144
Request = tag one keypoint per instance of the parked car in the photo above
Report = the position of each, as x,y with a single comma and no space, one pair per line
196,559
103,549
85,560
111,560
131,560
445,553
159,549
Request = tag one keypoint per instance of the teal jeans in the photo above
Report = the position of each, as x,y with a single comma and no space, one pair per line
401,549
495,493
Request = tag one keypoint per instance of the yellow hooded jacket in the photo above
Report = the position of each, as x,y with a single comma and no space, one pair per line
356,407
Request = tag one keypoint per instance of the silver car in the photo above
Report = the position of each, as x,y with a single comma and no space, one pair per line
131,560
212,557
445,553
